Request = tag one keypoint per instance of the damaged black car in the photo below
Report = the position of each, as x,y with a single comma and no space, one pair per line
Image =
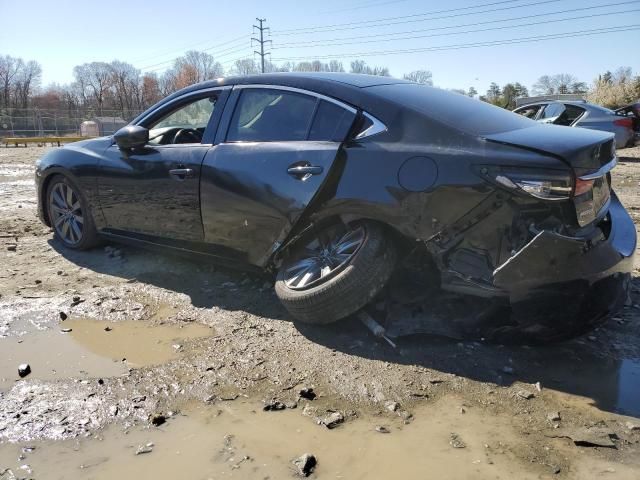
334,181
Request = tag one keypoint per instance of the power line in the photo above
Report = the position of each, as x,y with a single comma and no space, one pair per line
487,22
408,18
188,47
261,41
163,65
556,36
328,43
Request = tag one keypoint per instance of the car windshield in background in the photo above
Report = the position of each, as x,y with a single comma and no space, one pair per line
453,109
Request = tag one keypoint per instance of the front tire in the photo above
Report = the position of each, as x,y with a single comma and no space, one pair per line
70,215
335,273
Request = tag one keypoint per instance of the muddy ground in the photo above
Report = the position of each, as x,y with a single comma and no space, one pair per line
118,338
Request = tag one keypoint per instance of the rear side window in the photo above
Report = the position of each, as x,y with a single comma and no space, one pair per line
570,115
452,109
551,111
331,123
529,111
264,115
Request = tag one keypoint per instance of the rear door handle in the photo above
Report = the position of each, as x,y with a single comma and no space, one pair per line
181,173
304,171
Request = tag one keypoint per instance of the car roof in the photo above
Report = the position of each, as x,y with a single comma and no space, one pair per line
352,79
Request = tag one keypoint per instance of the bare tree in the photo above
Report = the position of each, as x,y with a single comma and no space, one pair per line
558,84
420,76
95,77
245,66
125,82
27,80
360,66
9,68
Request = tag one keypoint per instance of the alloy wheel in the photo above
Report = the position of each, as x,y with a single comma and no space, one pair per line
324,256
66,213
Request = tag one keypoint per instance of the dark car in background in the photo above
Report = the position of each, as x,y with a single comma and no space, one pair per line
332,181
632,111
580,113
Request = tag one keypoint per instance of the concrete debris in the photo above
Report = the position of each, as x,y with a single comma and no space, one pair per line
588,437
392,406
142,449
305,464
332,420
525,394
554,417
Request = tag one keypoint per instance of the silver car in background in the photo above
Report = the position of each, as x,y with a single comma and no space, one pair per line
582,114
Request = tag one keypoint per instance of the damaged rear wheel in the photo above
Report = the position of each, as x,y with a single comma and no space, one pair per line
336,272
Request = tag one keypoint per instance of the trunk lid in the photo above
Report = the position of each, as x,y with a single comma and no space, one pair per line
586,151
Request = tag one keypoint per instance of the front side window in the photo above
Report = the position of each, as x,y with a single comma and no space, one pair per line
185,124
263,115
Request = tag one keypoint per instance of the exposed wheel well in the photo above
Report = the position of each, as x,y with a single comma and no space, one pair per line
43,197
403,243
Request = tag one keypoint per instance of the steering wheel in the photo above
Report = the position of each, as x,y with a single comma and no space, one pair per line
187,135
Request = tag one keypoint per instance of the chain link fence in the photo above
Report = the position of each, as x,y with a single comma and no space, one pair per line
37,122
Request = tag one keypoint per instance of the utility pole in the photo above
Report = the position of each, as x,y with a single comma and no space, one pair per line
261,40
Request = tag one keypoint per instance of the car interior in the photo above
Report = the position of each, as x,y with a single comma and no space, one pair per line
184,125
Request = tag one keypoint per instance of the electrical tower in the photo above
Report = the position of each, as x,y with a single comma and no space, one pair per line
261,40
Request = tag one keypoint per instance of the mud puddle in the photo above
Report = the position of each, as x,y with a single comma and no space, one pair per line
93,348
239,440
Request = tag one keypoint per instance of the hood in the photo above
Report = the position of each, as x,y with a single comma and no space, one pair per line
583,149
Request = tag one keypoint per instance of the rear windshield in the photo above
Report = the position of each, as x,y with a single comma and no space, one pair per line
453,109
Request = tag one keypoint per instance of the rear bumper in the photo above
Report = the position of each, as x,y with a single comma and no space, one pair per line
573,275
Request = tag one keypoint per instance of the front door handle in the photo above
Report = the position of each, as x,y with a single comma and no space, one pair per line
181,173
304,171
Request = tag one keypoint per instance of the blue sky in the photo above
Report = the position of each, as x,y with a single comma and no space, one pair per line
63,33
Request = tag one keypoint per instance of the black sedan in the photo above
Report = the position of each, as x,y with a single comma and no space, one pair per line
335,180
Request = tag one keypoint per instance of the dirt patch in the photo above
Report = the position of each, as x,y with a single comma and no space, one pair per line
241,346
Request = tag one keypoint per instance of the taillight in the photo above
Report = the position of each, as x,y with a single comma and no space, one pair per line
543,185
582,186
624,122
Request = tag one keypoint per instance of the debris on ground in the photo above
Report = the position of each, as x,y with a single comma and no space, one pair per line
633,426
142,449
273,405
305,464
588,437
332,420
456,442
525,394
158,419
24,369
553,416
382,429
307,393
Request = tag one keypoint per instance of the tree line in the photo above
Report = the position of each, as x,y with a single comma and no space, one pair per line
121,87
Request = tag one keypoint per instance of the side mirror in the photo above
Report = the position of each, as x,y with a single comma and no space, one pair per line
131,136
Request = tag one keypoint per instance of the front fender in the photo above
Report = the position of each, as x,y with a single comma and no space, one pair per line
80,162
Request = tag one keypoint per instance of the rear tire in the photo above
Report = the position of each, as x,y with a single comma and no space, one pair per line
69,214
338,290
